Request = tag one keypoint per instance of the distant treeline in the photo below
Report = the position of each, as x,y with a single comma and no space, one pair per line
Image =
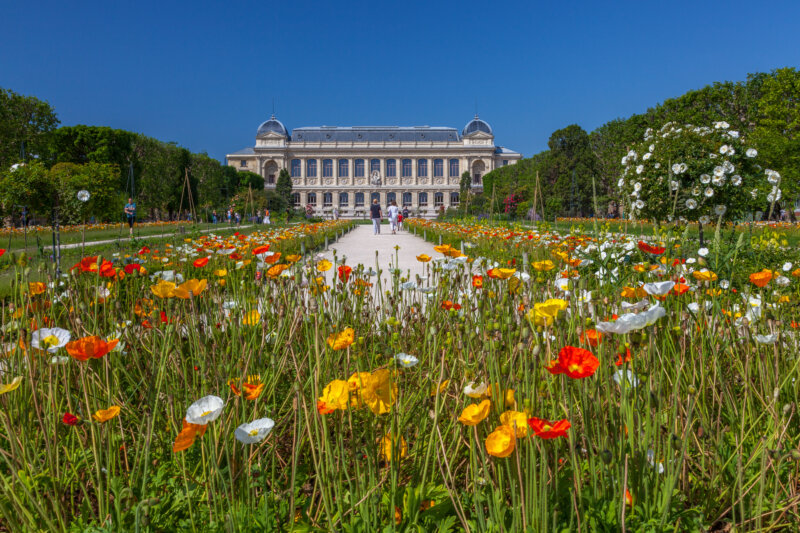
123,160
765,109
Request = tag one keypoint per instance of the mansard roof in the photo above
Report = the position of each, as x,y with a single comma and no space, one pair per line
375,134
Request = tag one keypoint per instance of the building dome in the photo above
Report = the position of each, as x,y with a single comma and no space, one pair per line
272,125
476,124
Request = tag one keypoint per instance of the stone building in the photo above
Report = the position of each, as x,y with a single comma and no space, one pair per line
346,167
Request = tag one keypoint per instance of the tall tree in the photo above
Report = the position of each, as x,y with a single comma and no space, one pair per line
573,165
283,189
25,122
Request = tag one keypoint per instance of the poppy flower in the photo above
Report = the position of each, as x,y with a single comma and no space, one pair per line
205,410
548,430
251,318
388,445
704,275
760,279
440,388
258,250
344,273
545,313
144,250
324,265
163,289
272,259
633,292
50,339
501,273
2,252
92,347
87,264
341,340
294,258
477,282
516,420
276,270
378,392
501,442
474,413
10,387
187,436
622,360
130,268
335,396
680,288
70,420
107,269
576,363
649,249
423,258
104,415
36,287
593,337
201,262
193,286
255,431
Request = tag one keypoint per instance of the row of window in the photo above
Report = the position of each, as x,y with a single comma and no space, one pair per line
374,164
344,199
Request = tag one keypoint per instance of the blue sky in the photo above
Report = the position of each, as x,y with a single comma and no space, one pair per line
204,74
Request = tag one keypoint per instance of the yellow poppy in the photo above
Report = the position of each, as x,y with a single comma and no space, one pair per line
545,313
440,388
36,287
388,445
504,273
423,258
324,265
704,275
543,266
14,385
294,258
341,340
251,318
335,396
516,420
276,270
163,289
474,413
501,442
194,286
104,415
221,273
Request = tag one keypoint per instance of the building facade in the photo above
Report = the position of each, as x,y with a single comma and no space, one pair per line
347,167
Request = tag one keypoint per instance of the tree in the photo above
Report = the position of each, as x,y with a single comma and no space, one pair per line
25,122
572,167
250,181
99,144
283,189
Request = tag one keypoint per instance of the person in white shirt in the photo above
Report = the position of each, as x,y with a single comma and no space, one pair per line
393,211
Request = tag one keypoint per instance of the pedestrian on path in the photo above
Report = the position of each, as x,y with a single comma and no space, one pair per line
266,216
393,211
376,215
130,213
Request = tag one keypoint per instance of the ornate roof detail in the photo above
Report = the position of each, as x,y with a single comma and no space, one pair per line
476,124
273,125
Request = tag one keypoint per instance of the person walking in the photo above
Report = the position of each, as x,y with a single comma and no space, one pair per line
335,213
375,214
130,213
400,221
266,216
393,211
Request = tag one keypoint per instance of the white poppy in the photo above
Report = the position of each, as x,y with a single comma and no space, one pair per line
50,339
766,339
658,289
694,307
475,391
205,410
255,431
702,252
751,152
787,266
406,360
627,376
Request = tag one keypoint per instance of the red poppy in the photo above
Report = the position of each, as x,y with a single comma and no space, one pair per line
87,264
2,251
92,347
146,324
131,267
70,419
344,273
144,250
261,249
448,305
164,319
647,248
107,269
236,256
576,363
477,282
593,337
679,262
200,263
548,430
622,360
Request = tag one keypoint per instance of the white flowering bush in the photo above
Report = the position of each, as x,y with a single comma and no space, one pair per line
697,174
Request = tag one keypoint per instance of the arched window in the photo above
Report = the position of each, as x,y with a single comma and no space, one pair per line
406,198
390,197
374,164
406,168
344,199
311,198
391,168
438,199
296,199
327,168
454,199
422,168
344,171
454,168
359,199
295,168
438,168
311,168
359,170
423,199
327,199
375,196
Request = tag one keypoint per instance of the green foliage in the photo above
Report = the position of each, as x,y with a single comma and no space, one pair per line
25,122
283,189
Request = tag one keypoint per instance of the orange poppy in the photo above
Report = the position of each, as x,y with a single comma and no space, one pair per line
188,435
647,248
261,249
622,360
593,337
477,282
760,279
93,347
274,258
200,263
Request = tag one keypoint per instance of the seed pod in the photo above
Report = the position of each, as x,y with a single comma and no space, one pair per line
536,350
606,456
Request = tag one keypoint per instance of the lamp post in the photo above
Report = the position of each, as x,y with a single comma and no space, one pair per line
83,196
